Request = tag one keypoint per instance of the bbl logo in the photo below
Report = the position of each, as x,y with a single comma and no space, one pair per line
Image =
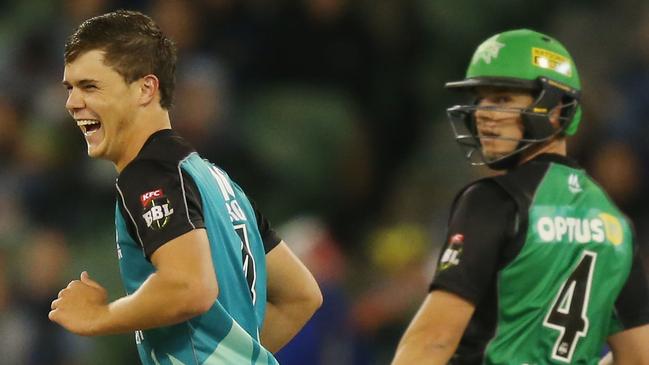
452,254
156,208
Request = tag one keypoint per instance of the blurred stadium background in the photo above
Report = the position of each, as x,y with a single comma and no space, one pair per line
330,113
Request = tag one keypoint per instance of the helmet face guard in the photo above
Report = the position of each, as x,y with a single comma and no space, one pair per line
520,60
536,124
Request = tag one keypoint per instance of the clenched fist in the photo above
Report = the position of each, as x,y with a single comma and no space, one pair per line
81,306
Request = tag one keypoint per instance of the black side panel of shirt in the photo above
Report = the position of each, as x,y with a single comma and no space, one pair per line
484,214
492,215
268,235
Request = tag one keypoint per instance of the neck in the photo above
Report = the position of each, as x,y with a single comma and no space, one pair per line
556,146
141,127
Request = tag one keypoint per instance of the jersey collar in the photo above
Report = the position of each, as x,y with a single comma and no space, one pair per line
556,158
161,133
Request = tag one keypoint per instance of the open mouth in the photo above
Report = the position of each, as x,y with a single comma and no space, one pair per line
88,126
488,134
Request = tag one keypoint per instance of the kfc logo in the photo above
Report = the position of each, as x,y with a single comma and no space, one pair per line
147,197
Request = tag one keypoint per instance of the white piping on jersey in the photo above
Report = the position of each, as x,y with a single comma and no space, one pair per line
182,187
137,231
191,330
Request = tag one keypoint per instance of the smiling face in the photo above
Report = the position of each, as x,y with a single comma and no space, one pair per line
498,120
101,103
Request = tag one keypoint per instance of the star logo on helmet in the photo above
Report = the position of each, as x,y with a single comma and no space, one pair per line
488,50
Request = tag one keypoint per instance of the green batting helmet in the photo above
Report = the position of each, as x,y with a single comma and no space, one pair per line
528,60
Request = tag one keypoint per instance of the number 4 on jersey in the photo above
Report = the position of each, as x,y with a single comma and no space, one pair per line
568,312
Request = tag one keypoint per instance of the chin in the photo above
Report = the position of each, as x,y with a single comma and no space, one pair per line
95,152
493,155
490,154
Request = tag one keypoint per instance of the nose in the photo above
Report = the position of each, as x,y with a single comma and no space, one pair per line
485,114
75,101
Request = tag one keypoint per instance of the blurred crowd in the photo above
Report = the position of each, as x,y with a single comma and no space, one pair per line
330,114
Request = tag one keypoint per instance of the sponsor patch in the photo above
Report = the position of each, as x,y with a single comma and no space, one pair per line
452,254
605,227
146,198
156,209
553,61
613,228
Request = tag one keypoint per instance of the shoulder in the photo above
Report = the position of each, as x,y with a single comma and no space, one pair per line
483,191
145,173
517,186
162,148
165,144
146,180
160,156
141,168
527,177
485,201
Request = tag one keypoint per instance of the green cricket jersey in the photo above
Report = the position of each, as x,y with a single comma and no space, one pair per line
548,260
169,190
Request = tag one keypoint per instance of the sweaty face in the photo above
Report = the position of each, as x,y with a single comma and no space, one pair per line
498,120
101,103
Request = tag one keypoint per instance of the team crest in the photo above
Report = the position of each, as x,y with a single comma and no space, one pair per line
452,254
487,51
156,209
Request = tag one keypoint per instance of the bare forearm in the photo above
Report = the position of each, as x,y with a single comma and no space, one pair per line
624,358
293,297
282,323
158,302
630,346
421,350
435,332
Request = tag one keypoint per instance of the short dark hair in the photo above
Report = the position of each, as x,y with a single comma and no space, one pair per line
134,46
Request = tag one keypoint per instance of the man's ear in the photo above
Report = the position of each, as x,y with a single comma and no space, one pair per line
149,89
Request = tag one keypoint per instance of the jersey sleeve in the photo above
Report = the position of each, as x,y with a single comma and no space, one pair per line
481,224
268,235
161,203
632,304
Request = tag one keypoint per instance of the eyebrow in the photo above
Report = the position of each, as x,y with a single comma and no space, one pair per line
80,83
